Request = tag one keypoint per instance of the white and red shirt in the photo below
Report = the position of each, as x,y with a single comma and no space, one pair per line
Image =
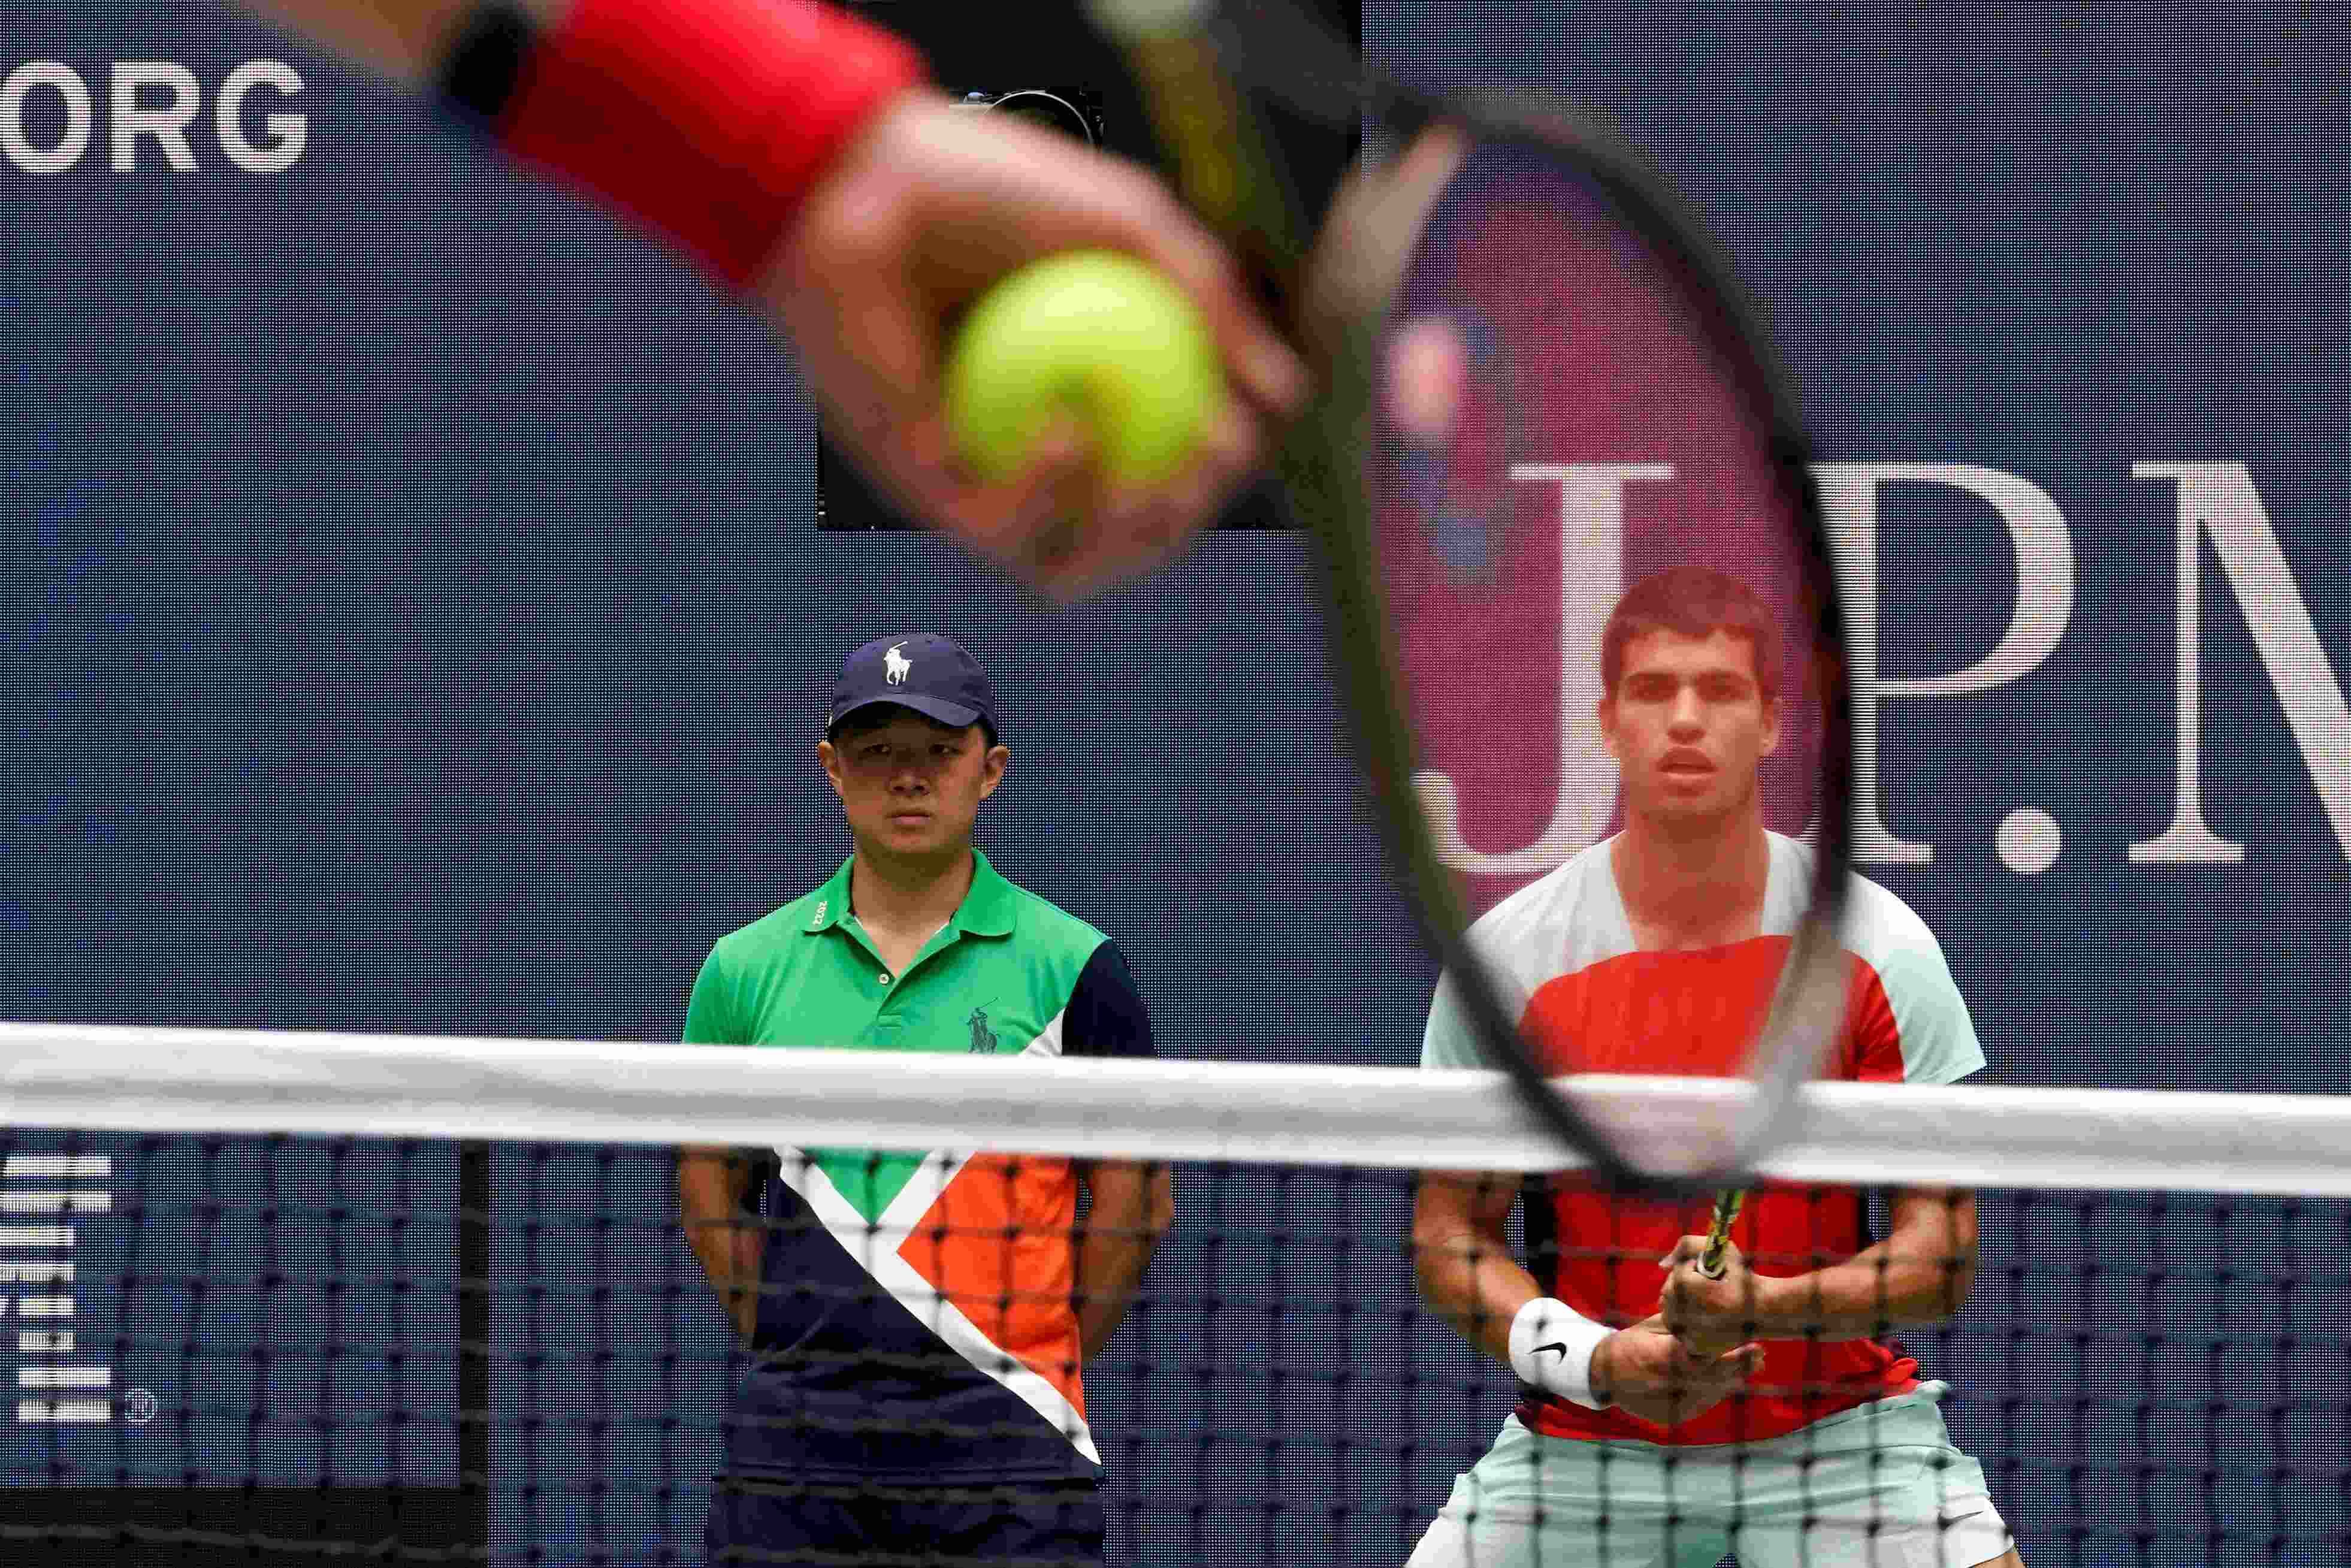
1562,952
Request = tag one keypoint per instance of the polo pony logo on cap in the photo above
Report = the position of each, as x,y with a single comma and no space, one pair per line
895,665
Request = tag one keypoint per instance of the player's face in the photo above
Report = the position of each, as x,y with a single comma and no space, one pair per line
912,788
1687,724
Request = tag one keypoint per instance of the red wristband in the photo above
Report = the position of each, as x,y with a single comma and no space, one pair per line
707,120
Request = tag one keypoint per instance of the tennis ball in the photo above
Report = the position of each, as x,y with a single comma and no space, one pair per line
1096,336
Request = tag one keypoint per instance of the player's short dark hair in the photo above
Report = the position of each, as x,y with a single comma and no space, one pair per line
1691,601
876,716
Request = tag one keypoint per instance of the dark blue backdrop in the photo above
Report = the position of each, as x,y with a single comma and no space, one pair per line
414,620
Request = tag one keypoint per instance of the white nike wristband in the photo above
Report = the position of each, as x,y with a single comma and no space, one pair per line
1551,1347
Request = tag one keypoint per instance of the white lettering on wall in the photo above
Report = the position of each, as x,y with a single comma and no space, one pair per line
2218,501
135,114
36,1279
2045,604
290,135
1591,508
147,101
18,87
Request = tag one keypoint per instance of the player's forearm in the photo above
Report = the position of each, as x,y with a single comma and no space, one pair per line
1110,1266
1474,1283
1114,1248
710,1188
1904,1282
407,41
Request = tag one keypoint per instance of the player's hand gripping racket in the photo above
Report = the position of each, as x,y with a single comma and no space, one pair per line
1540,387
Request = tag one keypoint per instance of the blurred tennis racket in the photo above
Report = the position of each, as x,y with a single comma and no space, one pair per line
1541,384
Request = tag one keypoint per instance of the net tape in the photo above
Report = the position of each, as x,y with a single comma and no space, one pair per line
147,1080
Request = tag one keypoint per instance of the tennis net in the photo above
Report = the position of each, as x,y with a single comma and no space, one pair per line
302,1298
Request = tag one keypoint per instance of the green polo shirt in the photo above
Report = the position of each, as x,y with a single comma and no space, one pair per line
1010,973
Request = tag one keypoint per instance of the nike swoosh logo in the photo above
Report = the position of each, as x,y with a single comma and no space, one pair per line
1559,1345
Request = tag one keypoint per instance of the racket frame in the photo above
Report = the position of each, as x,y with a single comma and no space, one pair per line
1198,69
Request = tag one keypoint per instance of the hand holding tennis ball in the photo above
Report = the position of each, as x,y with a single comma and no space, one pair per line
1096,337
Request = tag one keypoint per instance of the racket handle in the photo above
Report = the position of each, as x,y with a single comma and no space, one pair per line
1727,1205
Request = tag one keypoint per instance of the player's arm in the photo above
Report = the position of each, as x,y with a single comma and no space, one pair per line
795,151
715,1184
1461,1255
1462,1258
713,1207
1130,1204
1919,1275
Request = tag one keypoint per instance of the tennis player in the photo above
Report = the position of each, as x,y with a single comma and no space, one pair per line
919,1322
1785,1425
797,154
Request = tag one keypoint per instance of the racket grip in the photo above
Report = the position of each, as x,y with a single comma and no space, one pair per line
1727,1205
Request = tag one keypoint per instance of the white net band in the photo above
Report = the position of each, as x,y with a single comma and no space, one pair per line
159,1081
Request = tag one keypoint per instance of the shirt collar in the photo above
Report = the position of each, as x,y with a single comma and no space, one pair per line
986,911
831,900
988,907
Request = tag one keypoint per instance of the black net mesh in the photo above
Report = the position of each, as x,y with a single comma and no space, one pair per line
303,1350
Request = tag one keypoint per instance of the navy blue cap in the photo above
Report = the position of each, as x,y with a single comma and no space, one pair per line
931,674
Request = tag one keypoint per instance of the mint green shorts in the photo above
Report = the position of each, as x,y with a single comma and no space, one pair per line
1878,1486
